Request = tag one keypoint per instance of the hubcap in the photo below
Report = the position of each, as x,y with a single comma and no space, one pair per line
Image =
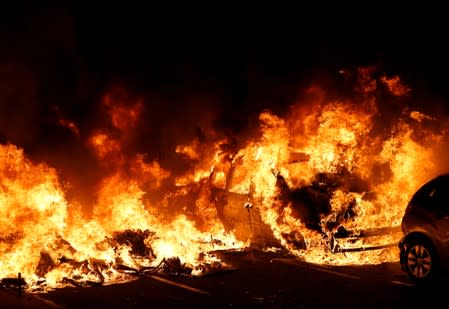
419,261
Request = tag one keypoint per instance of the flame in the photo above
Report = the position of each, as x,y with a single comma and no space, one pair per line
358,180
45,239
123,114
318,180
418,116
211,156
52,242
150,174
395,85
190,151
70,125
33,211
366,83
104,145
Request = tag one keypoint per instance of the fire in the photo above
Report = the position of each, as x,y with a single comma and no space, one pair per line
354,181
395,85
345,156
52,243
70,125
33,211
104,145
319,181
206,158
123,115
45,239
418,116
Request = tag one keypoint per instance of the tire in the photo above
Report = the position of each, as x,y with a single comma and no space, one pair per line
420,261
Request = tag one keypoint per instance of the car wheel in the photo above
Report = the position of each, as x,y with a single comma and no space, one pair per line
420,260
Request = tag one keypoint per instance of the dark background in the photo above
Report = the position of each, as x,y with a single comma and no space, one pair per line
217,65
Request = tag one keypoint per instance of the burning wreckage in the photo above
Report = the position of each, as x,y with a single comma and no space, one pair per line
240,213
323,184
92,271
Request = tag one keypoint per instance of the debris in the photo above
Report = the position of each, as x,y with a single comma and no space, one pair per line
18,283
295,239
173,265
135,239
206,269
126,269
13,282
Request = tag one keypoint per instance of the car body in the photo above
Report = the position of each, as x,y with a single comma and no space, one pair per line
424,248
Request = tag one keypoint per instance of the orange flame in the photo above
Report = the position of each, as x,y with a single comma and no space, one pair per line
124,116
70,125
395,85
104,145
318,180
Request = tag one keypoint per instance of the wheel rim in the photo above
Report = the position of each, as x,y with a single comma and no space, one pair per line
419,261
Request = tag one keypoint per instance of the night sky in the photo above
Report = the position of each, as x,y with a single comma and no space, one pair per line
225,63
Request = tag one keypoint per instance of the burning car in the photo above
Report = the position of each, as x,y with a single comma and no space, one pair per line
424,247
241,211
327,181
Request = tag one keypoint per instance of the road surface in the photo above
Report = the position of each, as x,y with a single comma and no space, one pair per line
258,280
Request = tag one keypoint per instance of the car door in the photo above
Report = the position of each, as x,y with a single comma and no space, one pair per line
439,205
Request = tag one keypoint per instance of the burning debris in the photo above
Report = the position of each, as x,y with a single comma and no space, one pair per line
93,271
314,182
134,240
